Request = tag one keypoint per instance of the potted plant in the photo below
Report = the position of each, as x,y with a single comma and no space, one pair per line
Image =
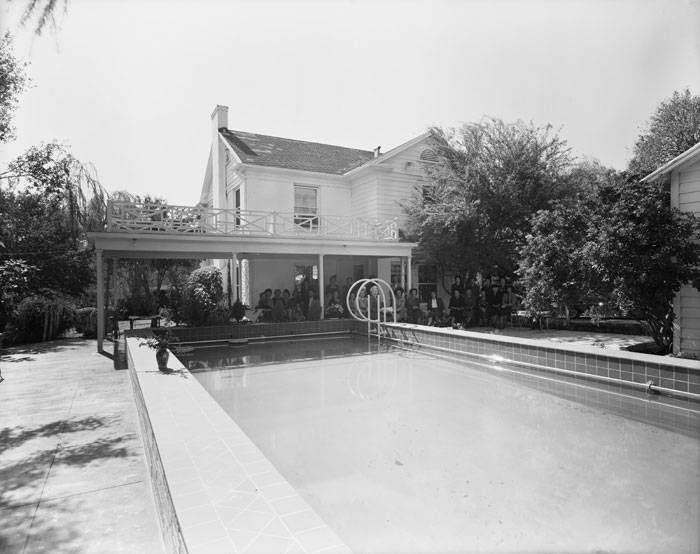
161,341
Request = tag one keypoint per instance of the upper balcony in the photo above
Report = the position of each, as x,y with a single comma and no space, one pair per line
139,217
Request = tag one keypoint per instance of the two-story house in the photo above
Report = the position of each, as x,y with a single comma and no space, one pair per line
274,211
321,210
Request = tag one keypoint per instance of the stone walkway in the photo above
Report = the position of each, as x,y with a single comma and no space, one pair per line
72,470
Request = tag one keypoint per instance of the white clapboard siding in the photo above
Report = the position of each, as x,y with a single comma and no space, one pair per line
234,181
363,196
397,188
688,301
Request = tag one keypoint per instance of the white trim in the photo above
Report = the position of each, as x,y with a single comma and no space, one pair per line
687,156
230,149
390,154
245,168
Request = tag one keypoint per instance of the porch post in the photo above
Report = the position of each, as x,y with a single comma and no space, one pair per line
100,302
234,276
321,285
408,280
403,274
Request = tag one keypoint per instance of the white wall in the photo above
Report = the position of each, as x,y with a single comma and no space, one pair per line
397,187
270,190
364,196
685,195
374,194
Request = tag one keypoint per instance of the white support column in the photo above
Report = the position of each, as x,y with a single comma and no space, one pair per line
321,285
403,274
409,284
234,277
100,302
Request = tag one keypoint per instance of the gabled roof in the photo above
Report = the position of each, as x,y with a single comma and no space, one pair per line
687,156
393,152
285,153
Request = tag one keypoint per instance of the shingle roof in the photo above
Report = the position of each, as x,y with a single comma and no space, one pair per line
294,154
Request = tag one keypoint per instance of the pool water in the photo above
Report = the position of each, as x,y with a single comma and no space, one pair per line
400,451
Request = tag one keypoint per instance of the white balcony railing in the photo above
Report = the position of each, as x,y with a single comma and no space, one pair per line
136,217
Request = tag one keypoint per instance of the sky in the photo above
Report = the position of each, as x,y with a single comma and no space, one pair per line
130,85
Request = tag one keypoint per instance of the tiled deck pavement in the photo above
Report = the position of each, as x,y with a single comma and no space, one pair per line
72,471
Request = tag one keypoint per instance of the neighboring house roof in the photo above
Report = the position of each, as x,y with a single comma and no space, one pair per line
687,156
285,153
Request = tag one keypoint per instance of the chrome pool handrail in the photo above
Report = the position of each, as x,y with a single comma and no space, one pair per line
381,299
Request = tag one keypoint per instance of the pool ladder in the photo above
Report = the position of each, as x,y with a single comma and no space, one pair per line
381,305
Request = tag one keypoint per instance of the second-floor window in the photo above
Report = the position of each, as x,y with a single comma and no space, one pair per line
237,205
306,206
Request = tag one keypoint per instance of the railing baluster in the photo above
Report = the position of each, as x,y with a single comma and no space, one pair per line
133,217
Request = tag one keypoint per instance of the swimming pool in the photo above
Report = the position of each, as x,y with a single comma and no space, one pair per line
400,451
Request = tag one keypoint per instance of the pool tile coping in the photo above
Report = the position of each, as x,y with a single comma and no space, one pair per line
675,376
215,490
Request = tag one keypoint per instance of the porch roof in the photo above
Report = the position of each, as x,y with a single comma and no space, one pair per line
170,245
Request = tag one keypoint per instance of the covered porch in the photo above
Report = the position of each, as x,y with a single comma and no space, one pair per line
251,263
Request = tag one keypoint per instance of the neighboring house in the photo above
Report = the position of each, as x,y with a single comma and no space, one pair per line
345,201
683,175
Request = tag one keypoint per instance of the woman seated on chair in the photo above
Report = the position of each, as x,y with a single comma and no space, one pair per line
413,307
457,308
436,309
334,309
401,308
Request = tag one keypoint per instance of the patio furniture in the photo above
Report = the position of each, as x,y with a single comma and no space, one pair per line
154,319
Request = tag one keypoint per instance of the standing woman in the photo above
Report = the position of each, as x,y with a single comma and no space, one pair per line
362,301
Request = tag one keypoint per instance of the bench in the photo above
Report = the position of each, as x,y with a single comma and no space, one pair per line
154,319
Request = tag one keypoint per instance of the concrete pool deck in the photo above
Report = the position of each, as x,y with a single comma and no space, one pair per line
72,471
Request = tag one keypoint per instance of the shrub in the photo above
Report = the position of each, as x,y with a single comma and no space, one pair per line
40,318
86,322
201,296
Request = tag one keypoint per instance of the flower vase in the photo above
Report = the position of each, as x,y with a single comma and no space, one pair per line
162,356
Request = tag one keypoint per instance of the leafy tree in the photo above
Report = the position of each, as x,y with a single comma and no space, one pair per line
644,252
625,244
552,265
16,277
48,200
673,128
488,180
13,81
